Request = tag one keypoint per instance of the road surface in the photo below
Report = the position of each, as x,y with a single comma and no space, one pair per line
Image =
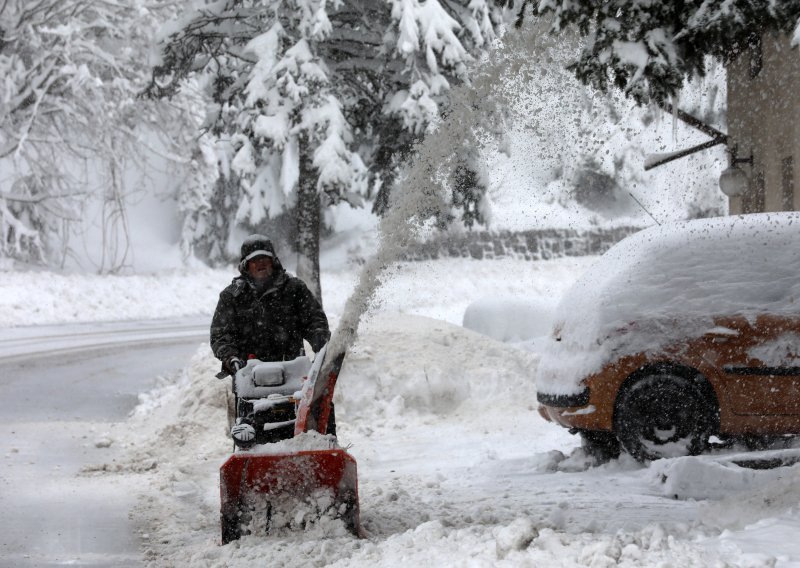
63,391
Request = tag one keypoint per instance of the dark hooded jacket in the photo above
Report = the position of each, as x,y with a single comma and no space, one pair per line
269,322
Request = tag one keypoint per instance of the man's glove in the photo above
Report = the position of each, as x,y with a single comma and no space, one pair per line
233,364
318,341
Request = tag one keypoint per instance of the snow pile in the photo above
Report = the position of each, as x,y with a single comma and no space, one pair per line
176,437
175,440
510,319
181,409
756,510
455,466
446,466
33,298
669,282
406,367
694,477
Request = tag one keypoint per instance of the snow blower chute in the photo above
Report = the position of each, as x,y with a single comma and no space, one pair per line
262,488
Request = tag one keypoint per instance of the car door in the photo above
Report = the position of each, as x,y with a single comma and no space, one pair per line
761,365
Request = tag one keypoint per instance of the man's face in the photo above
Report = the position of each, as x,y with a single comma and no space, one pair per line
260,267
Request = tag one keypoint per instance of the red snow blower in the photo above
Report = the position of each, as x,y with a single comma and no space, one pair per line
261,490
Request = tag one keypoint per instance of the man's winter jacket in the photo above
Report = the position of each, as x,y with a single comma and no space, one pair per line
270,324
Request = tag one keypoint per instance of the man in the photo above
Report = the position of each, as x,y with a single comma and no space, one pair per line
265,313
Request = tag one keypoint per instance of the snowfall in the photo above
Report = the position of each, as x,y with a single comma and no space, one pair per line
436,401
455,466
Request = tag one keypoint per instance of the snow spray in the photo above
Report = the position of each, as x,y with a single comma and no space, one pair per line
474,117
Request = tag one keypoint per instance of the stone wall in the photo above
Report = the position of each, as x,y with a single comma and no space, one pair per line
541,244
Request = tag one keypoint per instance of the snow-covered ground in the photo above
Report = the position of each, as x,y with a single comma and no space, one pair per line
456,468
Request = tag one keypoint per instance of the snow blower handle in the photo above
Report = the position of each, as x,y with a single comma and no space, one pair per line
230,367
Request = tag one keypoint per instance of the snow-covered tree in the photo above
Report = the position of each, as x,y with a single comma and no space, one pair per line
650,49
70,122
320,99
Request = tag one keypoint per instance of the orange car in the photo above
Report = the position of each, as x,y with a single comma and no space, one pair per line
679,333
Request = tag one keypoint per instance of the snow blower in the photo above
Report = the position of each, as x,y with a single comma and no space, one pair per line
263,485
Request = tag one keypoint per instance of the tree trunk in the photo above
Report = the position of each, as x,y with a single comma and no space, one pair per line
308,224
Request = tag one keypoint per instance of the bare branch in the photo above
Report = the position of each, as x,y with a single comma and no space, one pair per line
39,198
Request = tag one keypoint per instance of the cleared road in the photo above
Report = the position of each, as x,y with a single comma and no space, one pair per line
63,392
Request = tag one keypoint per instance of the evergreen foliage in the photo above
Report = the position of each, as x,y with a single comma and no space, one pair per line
649,49
337,90
469,185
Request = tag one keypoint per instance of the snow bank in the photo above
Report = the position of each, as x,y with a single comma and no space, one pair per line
756,510
455,466
406,367
404,381
176,437
719,478
444,289
667,283
33,298
511,319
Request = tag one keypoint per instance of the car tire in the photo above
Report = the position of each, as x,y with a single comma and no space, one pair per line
602,446
662,416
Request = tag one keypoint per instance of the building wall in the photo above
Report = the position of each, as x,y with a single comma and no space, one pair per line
764,118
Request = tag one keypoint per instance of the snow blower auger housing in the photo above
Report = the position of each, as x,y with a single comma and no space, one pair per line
299,480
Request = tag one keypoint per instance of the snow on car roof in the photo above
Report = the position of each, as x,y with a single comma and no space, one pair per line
684,274
728,265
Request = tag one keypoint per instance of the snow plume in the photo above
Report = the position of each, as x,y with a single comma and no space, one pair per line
508,82
420,194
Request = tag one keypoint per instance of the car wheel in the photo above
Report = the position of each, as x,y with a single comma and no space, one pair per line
602,446
662,416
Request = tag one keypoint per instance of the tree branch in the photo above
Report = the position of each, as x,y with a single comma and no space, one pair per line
694,122
654,160
20,198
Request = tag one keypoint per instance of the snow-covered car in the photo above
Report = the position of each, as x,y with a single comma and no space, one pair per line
679,333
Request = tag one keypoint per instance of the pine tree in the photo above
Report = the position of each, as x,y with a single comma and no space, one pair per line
649,49
319,99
